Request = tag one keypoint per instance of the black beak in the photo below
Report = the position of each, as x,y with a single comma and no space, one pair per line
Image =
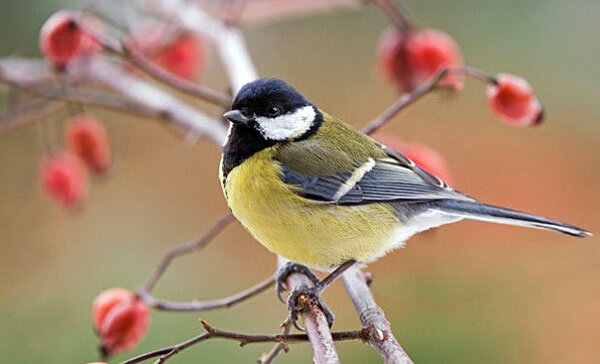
236,117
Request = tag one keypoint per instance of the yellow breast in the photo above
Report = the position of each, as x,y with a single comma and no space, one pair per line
307,232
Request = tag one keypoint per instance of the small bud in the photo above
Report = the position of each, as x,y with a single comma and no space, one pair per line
408,58
87,137
513,100
63,38
120,319
424,156
64,178
185,57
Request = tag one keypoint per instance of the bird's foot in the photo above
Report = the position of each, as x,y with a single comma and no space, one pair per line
303,299
284,272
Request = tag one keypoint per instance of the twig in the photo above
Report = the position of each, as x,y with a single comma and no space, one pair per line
229,40
133,55
423,89
140,95
144,291
142,92
268,358
207,305
244,339
28,113
395,14
200,243
380,334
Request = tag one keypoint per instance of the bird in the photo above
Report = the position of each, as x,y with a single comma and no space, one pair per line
314,190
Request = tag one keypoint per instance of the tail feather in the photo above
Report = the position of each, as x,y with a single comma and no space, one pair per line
479,211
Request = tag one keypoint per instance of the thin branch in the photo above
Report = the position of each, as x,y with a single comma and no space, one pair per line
268,358
244,339
139,95
133,55
229,40
423,89
142,92
187,248
380,334
28,113
207,305
144,291
395,14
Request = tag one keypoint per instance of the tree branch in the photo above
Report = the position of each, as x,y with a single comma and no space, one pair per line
372,318
140,95
207,305
268,358
144,291
423,89
244,339
133,55
315,322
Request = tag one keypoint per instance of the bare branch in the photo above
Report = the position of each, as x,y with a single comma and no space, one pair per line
315,322
139,95
142,92
208,305
187,248
268,358
380,334
404,101
422,90
243,339
25,72
130,53
28,113
229,40
395,14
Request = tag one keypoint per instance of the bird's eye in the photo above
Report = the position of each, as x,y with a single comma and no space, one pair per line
273,111
246,112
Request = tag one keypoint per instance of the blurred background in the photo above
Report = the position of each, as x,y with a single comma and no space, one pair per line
467,293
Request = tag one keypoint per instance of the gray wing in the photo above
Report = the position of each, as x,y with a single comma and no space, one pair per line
395,178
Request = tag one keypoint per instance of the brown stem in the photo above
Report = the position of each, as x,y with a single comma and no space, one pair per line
28,113
380,334
244,339
132,54
395,14
178,251
234,12
207,305
423,89
268,358
137,58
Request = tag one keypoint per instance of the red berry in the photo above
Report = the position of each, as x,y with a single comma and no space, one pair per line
424,156
62,37
64,178
513,100
407,58
121,320
87,137
105,301
185,57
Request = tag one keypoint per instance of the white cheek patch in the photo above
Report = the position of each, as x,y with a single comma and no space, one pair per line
288,126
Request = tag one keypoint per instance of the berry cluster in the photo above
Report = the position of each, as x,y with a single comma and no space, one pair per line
63,174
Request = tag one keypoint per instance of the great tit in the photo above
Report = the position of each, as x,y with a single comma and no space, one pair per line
316,191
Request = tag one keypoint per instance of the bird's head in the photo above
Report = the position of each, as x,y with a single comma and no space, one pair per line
274,109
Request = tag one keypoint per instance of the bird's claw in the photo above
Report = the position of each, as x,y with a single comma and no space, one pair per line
303,299
284,272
